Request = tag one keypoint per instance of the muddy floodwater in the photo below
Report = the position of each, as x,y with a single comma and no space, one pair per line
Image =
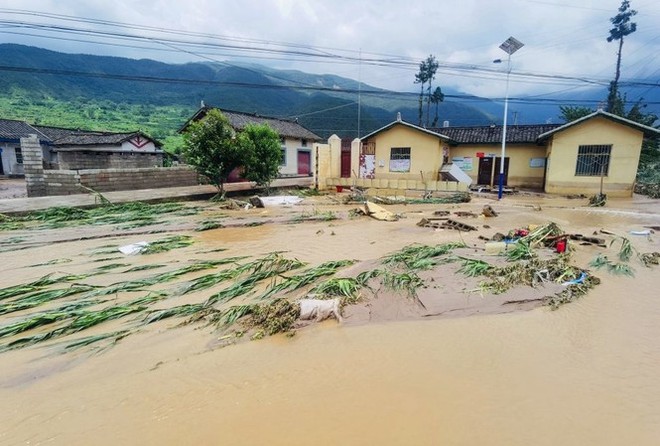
587,373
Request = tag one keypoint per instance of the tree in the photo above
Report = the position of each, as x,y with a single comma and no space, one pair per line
431,67
210,146
437,97
622,26
570,113
263,151
421,78
427,69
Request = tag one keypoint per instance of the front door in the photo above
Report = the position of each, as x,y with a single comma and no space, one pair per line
304,162
485,171
488,174
346,158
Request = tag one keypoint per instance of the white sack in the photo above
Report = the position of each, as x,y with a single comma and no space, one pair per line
133,248
319,310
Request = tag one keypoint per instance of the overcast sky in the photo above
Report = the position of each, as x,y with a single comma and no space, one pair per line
561,37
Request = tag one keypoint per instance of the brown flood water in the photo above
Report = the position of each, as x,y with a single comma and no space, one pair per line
584,374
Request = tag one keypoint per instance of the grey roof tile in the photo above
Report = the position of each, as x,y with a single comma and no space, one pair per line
493,134
12,129
239,120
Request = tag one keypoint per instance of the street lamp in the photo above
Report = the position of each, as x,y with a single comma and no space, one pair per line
510,46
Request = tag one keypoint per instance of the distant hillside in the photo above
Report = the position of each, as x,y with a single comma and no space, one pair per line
46,86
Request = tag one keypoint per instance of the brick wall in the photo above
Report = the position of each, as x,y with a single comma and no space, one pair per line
33,166
108,160
66,182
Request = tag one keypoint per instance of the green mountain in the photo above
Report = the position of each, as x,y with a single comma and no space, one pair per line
114,93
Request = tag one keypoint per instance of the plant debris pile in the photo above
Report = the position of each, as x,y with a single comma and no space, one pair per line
129,215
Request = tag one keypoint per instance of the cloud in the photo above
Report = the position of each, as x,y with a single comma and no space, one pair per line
561,38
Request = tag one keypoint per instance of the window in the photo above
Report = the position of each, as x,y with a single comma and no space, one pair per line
19,155
400,159
303,142
283,158
593,161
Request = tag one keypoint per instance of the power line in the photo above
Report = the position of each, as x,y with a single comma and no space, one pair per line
313,53
210,82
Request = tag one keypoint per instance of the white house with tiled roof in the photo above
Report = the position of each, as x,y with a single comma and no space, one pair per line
298,158
74,149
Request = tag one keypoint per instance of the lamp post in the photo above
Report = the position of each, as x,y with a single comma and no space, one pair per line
510,46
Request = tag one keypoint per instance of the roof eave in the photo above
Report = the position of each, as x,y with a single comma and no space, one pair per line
409,125
648,131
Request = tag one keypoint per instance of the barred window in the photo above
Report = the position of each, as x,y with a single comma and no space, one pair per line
593,160
19,155
400,159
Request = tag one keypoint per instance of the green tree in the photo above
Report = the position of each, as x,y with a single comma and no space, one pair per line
421,78
263,153
437,97
622,26
211,147
571,113
425,76
432,67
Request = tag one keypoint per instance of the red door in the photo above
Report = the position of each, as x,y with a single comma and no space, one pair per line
346,158
304,162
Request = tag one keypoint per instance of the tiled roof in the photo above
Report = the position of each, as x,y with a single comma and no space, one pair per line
493,134
71,137
54,133
239,120
11,129
57,136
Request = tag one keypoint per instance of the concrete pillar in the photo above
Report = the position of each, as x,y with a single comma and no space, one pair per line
355,157
322,166
33,166
335,156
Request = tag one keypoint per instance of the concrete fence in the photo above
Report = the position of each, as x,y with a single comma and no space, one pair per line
328,174
397,187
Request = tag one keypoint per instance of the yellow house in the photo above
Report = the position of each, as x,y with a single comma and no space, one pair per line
402,151
560,159
600,148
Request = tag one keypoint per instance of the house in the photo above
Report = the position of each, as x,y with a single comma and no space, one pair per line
298,158
560,159
11,155
72,149
76,149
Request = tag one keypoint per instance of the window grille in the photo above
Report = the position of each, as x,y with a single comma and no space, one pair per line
593,160
400,159
19,155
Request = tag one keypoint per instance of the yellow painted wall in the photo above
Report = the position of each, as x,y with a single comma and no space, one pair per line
520,172
425,153
328,160
626,146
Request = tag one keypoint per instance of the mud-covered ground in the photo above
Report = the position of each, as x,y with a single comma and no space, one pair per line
318,230
12,188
